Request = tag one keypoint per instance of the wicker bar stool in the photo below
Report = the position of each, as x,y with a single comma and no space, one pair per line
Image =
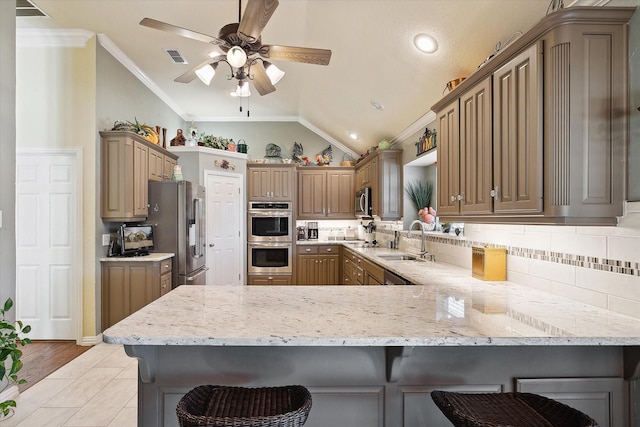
507,409
219,406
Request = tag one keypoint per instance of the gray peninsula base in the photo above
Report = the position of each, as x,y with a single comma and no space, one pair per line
376,386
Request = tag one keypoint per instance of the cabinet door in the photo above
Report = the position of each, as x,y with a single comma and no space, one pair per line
329,269
517,127
140,178
307,270
387,185
167,167
115,293
117,179
282,184
448,159
156,165
311,194
258,186
165,283
340,194
140,285
476,175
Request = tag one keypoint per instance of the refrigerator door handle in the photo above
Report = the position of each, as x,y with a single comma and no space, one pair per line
199,245
198,274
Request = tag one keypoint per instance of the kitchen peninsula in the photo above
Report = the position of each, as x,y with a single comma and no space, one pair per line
370,355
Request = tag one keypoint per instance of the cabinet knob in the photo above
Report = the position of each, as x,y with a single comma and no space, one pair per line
494,193
166,266
307,250
211,245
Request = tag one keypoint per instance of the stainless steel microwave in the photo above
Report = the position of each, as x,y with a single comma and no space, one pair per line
363,203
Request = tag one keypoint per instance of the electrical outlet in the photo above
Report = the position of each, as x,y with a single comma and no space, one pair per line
106,239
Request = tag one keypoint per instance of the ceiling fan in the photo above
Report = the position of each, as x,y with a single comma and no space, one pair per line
245,53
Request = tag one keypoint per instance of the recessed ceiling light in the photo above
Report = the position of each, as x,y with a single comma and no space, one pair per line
377,105
425,43
353,135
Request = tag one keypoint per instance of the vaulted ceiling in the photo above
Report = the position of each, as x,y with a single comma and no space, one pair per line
373,56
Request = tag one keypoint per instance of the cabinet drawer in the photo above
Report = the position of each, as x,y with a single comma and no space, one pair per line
307,250
329,249
165,266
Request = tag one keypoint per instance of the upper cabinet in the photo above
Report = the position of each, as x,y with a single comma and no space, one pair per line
382,172
326,192
269,182
126,164
539,133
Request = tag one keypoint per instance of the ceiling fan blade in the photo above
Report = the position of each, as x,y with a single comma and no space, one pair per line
163,26
191,74
260,79
296,54
255,18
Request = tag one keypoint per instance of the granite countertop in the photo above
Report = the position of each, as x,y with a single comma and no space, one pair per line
447,308
156,256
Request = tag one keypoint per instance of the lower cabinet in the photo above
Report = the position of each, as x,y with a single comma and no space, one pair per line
373,273
127,286
353,271
318,265
269,280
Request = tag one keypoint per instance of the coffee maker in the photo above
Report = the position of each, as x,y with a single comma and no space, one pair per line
312,230
302,232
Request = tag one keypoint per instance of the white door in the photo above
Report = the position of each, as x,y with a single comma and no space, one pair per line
48,230
225,234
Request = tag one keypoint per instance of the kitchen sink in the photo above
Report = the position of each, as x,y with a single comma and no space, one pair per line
398,257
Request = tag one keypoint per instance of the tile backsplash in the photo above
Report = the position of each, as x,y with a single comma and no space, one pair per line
593,265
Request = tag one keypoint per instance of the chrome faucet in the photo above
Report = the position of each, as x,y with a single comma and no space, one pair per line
423,249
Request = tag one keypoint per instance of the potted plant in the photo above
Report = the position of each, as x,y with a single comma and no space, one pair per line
10,354
420,194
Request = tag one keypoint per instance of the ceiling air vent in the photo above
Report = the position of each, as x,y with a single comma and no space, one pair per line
26,8
176,57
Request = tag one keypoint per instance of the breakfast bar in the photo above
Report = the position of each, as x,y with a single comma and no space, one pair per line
370,355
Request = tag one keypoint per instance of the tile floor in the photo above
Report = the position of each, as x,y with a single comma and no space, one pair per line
98,388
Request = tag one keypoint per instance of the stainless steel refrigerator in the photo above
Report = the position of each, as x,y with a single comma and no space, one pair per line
177,212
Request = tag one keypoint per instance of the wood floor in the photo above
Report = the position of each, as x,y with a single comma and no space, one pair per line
41,358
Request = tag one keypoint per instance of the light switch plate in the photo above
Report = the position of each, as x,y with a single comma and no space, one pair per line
106,239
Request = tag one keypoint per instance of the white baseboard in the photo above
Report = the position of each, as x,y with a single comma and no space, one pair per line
91,340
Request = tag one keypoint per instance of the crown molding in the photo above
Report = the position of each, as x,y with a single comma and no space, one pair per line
588,3
328,137
414,128
52,37
241,119
121,57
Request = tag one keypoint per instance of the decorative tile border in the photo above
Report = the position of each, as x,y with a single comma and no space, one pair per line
603,264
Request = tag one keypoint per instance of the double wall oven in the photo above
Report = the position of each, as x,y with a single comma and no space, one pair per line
270,238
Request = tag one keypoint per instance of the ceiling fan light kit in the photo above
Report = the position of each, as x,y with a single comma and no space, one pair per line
206,73
236,57
244,50
274,73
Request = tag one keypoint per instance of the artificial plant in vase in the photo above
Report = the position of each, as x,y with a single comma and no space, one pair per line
10,364
420,194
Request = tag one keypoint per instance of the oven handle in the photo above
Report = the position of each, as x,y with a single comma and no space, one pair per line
269,213
270,245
